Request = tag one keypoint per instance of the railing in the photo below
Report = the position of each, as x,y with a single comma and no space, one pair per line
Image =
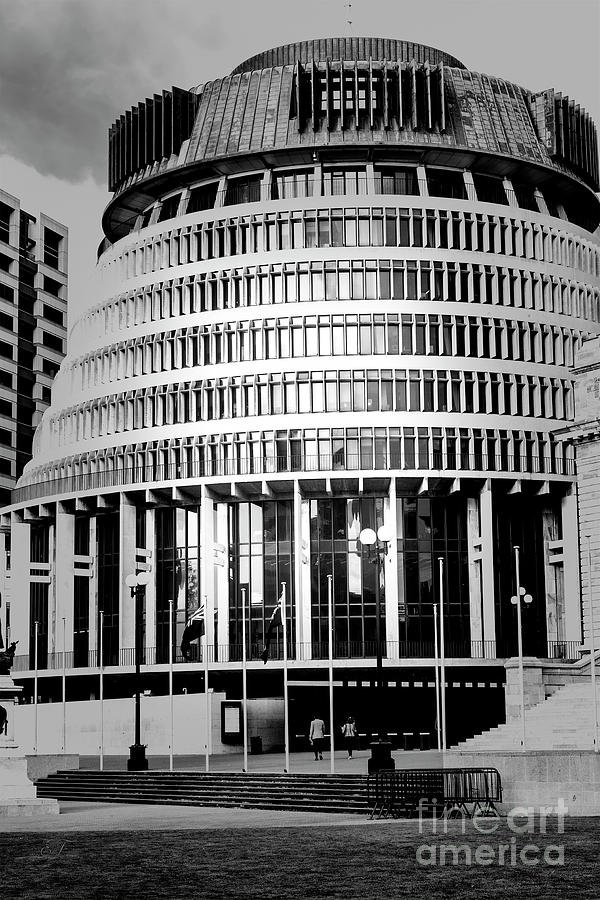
392,651
435,792
531,464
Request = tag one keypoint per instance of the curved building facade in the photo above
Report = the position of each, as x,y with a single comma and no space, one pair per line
341,288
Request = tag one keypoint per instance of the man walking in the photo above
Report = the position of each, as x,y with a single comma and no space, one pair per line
317,736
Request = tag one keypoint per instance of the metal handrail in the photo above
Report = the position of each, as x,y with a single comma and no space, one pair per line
393,652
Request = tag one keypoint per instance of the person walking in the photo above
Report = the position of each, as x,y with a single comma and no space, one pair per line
317,736
350,734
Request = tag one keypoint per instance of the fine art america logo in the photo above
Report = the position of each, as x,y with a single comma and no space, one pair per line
518,849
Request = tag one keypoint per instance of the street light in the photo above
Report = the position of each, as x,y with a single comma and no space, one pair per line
378,548
137,752
516,600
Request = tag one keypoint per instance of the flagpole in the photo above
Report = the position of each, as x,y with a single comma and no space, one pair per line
207,714
286,728
437,677
101,691
244,685
35,691
330,658
443,655
171,683
64,686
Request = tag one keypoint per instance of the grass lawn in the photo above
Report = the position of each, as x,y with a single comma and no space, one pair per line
375,861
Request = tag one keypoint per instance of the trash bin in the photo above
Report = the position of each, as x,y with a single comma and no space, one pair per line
256,745
381,757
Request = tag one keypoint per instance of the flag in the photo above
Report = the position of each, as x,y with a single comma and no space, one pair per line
193,630
274,622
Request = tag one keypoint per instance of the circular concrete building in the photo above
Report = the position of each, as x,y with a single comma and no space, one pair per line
341,288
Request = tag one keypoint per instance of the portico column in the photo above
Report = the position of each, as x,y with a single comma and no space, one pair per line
64,579
207,567
127,560
19,583
302,585
391,574
572,565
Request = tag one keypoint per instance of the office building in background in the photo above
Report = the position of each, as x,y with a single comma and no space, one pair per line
33,320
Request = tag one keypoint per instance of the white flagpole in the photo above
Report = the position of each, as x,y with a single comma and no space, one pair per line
330,658
592,643
207,714
101,691
244,684
171,723
286,728
442,655
437,677
35,691
64,686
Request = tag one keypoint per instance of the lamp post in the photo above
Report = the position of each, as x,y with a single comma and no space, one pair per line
516,601
378,548
137,752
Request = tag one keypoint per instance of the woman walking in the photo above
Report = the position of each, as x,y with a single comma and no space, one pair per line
350,734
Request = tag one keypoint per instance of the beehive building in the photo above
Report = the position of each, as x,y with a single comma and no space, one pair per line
341,287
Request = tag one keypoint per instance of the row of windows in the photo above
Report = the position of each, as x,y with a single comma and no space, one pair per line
307,450
358,227
368,390
342,280
320,336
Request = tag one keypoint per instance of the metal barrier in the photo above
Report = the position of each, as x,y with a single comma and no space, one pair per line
447,793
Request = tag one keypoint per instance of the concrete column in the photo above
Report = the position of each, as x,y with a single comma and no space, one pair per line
572,566
4,585
470,186
510,193
267,182
220,198
127,567
391,574
302,574
533,685
207,563
54,642
474,562
93,607
553,577
19,584
221,577
318,180
64,578
487,564
151,586
422,181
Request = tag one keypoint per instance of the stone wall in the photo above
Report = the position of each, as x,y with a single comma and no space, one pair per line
539,777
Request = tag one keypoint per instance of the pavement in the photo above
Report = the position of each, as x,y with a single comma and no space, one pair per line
302,763
86,816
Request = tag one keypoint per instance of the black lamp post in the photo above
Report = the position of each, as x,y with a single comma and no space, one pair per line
378,548
137,761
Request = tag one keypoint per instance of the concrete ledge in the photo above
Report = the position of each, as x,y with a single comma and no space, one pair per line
541,777
44,806
42,765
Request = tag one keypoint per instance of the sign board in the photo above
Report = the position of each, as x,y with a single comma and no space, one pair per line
232,723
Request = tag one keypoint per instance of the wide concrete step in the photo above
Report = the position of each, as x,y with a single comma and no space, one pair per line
303,792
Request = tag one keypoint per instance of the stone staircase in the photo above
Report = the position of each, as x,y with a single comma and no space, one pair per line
564,721
309,793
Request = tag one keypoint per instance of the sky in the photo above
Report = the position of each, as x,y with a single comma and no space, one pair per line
69,68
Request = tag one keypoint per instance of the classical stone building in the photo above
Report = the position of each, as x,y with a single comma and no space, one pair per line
342,287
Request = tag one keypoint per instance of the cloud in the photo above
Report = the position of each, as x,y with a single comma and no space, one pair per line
69,68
